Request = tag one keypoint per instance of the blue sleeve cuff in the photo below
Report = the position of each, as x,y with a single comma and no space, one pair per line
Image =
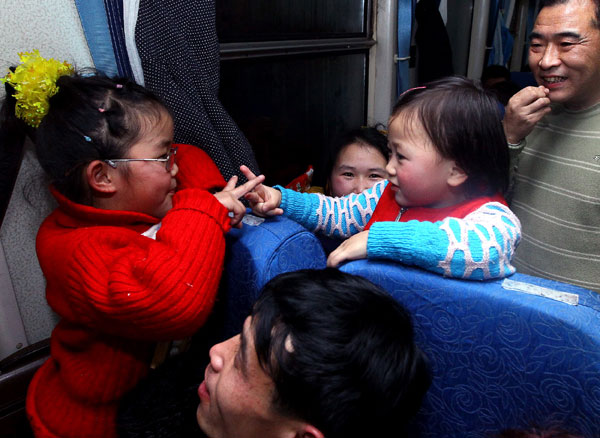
413,243
299,207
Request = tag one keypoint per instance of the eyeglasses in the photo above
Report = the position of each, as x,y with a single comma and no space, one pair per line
169,160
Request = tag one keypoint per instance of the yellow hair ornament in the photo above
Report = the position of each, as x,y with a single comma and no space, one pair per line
34,81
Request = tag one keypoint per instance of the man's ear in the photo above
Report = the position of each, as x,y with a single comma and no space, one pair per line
457,176
309,431
99,176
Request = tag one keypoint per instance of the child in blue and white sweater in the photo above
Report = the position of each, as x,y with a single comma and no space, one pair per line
441,208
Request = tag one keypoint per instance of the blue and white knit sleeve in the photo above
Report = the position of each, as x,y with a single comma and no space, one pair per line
478,247
340,217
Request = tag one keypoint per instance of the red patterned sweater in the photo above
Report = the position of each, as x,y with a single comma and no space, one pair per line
118,292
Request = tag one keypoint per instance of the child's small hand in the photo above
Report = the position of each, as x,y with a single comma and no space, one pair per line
353,248
230,195
264,200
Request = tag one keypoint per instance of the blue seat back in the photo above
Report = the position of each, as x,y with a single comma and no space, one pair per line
259,251
500,357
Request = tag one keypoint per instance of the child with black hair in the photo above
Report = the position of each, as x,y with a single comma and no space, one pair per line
442,208
355,161
134,252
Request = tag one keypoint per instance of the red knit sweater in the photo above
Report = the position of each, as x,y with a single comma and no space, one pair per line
119,292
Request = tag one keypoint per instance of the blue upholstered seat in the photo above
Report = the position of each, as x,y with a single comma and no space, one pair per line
500,357
259,251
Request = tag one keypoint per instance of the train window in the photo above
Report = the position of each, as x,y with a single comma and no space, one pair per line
294,75
292,105
251,20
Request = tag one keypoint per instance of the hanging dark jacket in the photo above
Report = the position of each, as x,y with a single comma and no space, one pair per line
178,46
434,54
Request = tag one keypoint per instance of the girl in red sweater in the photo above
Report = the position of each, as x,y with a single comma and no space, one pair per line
134,252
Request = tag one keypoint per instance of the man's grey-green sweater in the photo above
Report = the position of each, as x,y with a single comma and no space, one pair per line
557,198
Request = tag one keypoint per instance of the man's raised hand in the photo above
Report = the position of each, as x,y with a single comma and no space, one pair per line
523,111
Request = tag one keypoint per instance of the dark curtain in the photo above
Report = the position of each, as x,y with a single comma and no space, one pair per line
114,17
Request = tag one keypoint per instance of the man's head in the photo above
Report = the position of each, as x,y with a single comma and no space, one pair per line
494,74
323,354
564,52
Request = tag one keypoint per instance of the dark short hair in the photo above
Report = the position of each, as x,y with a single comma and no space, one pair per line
464,123
595,20
368,136
353,369
504,91
495,71
92,117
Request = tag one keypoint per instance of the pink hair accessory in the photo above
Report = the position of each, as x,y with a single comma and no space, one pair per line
412,89
119,85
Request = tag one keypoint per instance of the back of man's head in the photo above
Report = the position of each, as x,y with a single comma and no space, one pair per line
341,353
494,73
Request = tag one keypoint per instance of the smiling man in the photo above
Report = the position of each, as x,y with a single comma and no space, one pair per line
555,130
323,354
